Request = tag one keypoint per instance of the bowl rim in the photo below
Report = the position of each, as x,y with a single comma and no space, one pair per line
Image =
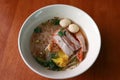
20,31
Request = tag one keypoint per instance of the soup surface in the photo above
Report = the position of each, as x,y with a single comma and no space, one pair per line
58,44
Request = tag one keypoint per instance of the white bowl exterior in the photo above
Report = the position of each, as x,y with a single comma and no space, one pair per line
63,11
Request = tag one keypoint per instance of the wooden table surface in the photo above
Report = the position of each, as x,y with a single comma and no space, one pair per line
106,14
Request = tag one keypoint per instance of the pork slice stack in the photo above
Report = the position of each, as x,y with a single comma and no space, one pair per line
67,42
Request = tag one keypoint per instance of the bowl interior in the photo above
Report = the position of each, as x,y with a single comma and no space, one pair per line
62,11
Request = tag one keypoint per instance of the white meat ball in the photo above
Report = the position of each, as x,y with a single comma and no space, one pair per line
73,28
65,22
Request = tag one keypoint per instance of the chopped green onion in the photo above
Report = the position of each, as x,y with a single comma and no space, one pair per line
54,55
61,33
50,64
37,30
56,22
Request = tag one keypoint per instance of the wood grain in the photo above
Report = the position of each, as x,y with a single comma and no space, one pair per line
106,14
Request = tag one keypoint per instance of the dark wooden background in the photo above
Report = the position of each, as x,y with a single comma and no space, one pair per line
106,14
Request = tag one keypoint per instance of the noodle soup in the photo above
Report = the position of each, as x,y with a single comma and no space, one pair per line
58,44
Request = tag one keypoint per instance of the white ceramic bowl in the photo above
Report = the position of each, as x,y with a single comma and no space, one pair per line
63,11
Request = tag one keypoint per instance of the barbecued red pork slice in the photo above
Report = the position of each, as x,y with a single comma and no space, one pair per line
59,41
73,40
81,39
